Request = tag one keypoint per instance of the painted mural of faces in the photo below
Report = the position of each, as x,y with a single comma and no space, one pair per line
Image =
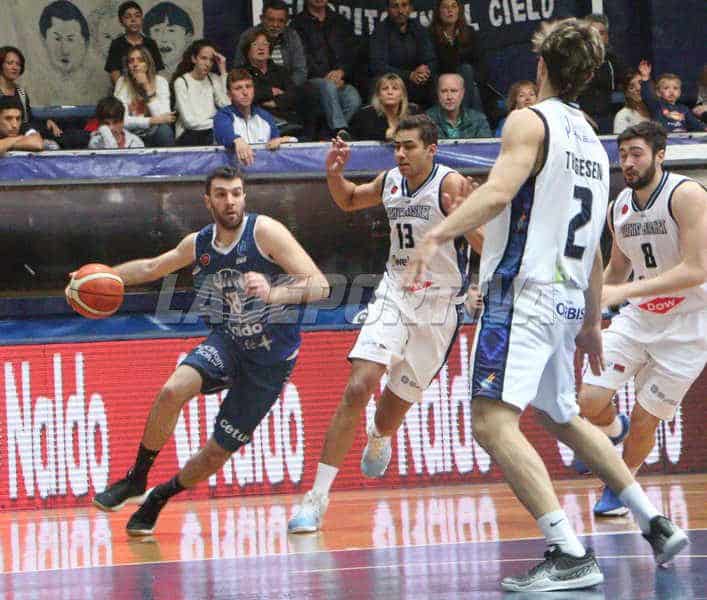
104,28
172,29
65,34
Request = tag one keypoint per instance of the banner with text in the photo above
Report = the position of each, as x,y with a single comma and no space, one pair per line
71,417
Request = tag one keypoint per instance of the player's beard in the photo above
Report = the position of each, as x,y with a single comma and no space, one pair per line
642,180
227,223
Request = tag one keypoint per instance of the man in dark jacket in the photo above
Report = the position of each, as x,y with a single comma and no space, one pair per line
330,47
596,98
402,46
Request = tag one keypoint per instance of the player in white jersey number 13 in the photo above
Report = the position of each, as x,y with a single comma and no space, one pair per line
407,333
544,205
659,227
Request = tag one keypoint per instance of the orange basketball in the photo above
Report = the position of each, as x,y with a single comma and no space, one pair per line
95,291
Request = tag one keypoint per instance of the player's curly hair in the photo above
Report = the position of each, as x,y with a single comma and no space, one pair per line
572,51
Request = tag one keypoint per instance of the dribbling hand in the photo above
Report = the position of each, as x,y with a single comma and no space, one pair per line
414,276
337,157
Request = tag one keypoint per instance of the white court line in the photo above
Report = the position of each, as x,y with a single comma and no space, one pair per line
490,560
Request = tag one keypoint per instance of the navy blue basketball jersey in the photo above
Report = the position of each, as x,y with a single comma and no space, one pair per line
261,332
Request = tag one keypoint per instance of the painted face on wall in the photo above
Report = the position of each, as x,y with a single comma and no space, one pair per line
65,45
172,40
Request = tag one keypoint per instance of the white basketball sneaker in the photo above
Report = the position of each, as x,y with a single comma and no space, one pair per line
310,514
376,455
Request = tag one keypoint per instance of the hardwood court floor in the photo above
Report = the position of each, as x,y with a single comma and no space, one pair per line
442,542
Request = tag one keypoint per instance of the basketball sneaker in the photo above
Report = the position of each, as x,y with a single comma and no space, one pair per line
376,454
559,571
310,514
609,505
579,466
142,521
666,539
122,492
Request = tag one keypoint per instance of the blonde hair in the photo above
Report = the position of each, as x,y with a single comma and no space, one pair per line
668,77
128,80
572,51
514,92
390,78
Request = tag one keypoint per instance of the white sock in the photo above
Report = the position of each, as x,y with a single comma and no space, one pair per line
643,510
324,478
558,532
614,429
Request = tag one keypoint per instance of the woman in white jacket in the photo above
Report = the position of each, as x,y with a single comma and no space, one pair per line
146,98
199,93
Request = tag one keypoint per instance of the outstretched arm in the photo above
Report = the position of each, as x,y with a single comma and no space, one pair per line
346,194
455,190
689,207
150,269
619,267
276,241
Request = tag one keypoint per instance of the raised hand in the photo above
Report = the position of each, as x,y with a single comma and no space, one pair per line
337,157
644,69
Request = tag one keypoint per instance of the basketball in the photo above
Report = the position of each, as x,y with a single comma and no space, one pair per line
95,291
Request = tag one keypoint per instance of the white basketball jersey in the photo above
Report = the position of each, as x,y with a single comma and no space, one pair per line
411,214
551,230
650,239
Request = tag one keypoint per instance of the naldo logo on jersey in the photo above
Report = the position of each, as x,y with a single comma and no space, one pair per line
569,312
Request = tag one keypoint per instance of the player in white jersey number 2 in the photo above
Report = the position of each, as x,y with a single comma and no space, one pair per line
659,226
544,205
407,333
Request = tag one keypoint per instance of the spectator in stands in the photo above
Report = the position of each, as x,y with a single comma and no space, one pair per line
111,132
453,120
457,49
65,35
330,47
199,93
130,16
663,101
241,124
275,90
14,133
12,66
403,46
522,93
388,106
173,31
700,110
634,110
595,101
286,49
146,98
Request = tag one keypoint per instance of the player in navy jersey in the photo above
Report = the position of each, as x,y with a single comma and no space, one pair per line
248,270
543,206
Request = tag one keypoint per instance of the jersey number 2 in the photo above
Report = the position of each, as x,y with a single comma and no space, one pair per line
584,195
405,238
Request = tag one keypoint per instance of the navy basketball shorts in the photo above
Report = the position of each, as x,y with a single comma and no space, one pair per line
253,388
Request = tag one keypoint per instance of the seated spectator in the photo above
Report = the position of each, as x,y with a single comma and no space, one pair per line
457,49
330,47
453,120
286,49
402,46
241,124
634,110
663,102
173,31
111,132
595,100
130,16
523,93
147,100
14,133
274,89
199,93
12,66
700,110
388,106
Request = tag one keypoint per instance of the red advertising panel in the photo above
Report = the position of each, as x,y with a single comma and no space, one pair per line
72,415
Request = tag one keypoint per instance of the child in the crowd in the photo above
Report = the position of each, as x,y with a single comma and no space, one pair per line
664,105
521,94
111,132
